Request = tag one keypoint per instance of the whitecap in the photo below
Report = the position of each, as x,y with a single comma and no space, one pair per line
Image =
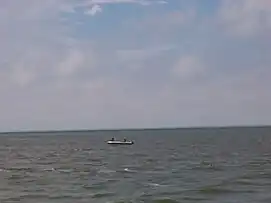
106,171
65,170
49,169
129,170
4,170
156,185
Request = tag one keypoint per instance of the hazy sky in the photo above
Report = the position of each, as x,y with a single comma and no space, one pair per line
73,64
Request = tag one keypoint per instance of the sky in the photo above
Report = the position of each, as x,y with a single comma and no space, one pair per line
101,64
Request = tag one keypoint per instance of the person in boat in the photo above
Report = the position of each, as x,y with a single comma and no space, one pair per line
124,139
113,139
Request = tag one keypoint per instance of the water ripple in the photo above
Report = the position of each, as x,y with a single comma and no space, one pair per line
181,166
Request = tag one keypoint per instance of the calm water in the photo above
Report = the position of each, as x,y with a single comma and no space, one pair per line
211,165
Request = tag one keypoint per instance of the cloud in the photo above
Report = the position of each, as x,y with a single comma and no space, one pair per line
132,55
71,63
36,46
246,17
21,76
67,8
162,26
96,5
56,74
142,2
171,19
94,10
188,67
143,58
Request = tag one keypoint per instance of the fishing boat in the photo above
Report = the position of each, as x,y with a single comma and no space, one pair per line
116,142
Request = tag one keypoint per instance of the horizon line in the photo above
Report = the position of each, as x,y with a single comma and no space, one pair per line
134,129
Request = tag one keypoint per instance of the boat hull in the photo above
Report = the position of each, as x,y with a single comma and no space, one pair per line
120,142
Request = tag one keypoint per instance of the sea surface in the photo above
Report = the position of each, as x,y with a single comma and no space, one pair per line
212,165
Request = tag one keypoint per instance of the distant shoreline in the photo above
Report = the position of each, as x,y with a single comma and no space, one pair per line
134,129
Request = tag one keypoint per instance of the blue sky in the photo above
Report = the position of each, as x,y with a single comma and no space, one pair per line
71,64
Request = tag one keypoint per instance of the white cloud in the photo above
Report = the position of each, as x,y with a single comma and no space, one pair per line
132,55
67,8
94,10
21,76
142,2
240,99
71,63
36,46
188,67
246,17
140,59
95,6
171,19
162,27
49,80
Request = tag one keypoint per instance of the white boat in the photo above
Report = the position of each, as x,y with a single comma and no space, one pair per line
120,142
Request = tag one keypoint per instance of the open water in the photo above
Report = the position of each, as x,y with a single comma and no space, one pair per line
228,165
